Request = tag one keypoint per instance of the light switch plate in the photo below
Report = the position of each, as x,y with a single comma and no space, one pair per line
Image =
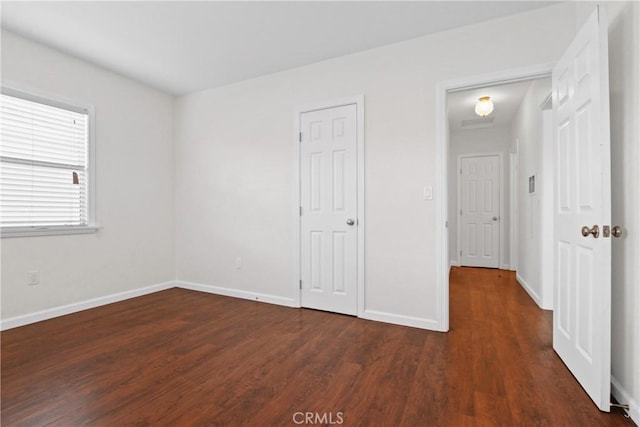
428,192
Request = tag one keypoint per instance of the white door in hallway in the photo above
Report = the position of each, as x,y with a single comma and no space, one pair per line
582,268
479,196
329,222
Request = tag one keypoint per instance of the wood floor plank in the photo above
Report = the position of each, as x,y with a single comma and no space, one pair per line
185,358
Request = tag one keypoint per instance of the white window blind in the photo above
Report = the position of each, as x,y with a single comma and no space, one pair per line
43,164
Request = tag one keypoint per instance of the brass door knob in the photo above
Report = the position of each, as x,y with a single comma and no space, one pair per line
594,231
616,231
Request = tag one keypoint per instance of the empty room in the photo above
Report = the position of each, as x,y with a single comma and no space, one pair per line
320,213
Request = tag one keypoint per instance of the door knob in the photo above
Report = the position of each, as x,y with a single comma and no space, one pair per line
350,221
616,231
495,218
594,231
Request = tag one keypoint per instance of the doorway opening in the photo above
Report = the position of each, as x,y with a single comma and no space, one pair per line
500,182
444,169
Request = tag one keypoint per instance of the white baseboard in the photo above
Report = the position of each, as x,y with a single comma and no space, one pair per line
379,316
454,263
253,296
506,267
623,397
399,319
530,291
14,322
38,316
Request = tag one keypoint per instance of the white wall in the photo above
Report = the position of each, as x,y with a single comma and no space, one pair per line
234,155
476,141
134,143
547,213
526,128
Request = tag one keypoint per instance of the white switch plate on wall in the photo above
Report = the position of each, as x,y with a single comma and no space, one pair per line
428,192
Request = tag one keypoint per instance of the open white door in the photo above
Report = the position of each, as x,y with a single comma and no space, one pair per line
582,268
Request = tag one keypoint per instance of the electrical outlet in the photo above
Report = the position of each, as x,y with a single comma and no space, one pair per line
239,263
33,277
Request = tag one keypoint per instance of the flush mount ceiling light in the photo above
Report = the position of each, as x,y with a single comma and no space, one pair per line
484,106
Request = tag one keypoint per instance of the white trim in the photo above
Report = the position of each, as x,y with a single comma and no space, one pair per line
399,319
514,75
513,209
236,293
634,405
361,213
296,273
442,148
454,263
499,154
533,294
45,231
624,397
63,310
442,214
358,100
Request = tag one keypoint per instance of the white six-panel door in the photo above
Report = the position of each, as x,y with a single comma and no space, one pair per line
328,194
582,269
479,211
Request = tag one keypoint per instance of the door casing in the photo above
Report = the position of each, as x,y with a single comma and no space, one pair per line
513,210
358,100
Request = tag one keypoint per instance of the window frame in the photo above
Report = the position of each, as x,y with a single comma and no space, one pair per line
30,94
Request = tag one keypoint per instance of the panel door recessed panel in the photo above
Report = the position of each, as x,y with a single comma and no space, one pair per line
316,182
338,181
585,157
339,261
316,260
564,276
584,298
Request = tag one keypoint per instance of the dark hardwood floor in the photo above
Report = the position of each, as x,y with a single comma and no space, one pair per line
180,357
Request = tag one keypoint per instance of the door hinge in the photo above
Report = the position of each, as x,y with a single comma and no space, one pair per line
460,171
460,211
299,136
460,252
300,283
300,210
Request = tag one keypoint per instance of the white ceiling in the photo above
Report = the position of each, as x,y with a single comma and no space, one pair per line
181,47
506,100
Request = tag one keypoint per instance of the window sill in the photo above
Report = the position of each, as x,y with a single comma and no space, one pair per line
46,231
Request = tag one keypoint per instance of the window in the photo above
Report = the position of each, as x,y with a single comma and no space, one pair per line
44,166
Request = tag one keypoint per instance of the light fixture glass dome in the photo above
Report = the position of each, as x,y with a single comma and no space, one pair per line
484,106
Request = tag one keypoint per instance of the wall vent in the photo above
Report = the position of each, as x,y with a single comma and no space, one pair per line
479,123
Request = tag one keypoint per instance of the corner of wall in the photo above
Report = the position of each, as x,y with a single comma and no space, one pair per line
624,397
